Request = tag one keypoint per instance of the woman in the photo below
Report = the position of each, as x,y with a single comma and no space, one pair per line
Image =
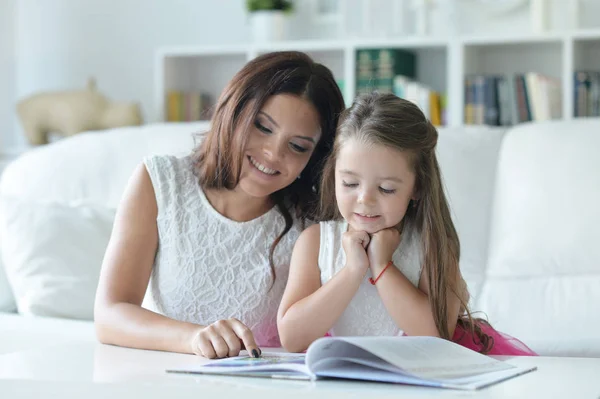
210,235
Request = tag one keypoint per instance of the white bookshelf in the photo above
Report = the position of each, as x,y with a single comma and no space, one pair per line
442,63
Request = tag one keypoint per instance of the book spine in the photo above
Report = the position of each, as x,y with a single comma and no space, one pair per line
173,105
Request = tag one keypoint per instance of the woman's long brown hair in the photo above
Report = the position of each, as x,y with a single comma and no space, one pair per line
218,159
393,122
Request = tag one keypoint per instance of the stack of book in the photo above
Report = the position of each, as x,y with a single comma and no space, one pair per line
586,93
389,70
505,100
377,68
432,103
187,106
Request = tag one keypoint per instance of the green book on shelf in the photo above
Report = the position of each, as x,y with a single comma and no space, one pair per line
377,68
365,71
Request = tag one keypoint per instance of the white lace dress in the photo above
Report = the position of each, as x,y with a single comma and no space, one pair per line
208,267
366,314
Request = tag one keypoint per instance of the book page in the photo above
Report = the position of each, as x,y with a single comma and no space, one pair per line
349,370
285,364
338,350
424,357
336,368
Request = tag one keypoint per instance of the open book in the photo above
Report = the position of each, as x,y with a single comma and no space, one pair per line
426,361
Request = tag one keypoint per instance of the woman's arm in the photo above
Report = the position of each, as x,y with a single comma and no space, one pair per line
308,310
408,305
119,317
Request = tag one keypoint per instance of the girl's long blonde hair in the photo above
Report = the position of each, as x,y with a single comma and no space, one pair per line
390,121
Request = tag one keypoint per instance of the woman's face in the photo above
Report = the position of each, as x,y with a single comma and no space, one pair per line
280,143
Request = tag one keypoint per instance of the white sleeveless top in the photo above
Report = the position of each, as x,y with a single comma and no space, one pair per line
208,267
366,314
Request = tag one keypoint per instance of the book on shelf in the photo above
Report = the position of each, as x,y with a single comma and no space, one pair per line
431,102
390,70
377,68
423,361
187,106
586,93
504,100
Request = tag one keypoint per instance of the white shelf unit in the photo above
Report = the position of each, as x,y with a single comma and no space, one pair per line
442,63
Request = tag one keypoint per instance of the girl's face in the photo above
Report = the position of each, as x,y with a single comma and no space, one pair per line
373,185
280,144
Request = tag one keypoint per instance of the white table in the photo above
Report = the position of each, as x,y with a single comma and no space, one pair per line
92,370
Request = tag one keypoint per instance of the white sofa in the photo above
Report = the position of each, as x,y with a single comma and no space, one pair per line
525,202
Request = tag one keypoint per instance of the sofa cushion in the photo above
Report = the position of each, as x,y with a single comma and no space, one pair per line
53,255
93,166
7,299
57,204
543,272
468,157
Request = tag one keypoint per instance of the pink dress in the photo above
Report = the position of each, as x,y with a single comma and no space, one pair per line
503,344
366,314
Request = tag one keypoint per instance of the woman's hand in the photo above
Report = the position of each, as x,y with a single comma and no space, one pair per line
355,244
224,338
382,247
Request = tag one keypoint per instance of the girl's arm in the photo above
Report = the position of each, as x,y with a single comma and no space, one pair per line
118,316
408,305
308,310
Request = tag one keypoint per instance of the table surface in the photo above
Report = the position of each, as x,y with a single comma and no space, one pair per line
93,370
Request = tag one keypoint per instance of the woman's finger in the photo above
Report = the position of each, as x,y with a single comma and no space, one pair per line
245,334
220,346
233,342
206,348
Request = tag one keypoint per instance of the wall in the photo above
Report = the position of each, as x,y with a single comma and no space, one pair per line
7,74
63,42
60,43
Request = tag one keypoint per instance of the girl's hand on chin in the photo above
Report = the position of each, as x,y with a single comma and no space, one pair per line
382,247
355,246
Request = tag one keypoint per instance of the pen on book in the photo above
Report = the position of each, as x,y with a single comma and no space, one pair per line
256,353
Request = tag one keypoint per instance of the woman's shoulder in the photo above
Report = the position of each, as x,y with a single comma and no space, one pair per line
165,167
171,176
167,163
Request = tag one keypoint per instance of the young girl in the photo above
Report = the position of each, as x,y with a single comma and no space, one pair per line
386,261
210,235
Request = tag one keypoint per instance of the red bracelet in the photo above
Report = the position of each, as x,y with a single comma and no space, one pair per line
378,277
